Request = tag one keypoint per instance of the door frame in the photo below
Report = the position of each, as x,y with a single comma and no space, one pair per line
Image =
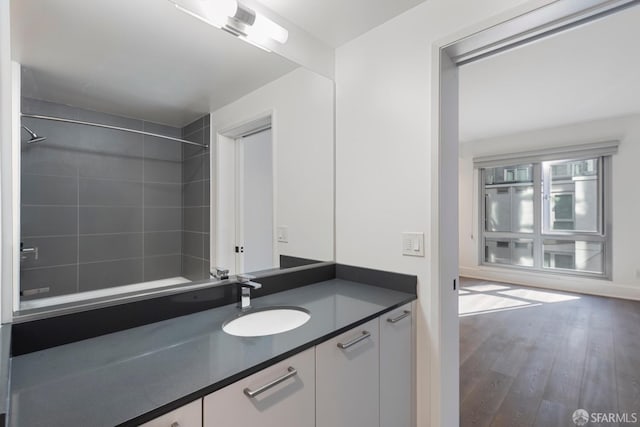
227,150
240,208
534,20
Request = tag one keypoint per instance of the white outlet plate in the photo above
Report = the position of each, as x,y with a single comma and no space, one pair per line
283,234
413,243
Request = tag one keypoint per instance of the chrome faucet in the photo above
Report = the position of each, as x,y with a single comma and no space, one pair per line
220,274
245,284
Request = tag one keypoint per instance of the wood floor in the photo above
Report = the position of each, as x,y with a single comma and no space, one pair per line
530,357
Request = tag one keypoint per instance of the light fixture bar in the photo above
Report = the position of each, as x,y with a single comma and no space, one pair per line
263,26
236,19
212,12
195,15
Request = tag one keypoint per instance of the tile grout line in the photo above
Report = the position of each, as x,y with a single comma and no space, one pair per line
53,236
182,266
105,178
106,206
144,235
77,229
104,261
202,160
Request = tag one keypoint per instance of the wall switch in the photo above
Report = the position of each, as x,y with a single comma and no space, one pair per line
413,244
283,234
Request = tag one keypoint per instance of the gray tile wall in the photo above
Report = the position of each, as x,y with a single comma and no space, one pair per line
195,201
104,207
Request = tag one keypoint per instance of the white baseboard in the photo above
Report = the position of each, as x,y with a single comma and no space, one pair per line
580,285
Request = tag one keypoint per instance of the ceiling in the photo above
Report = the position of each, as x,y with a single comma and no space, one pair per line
147,60
335,22
587,73
142,58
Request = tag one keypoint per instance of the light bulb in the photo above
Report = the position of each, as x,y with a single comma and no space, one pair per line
264,28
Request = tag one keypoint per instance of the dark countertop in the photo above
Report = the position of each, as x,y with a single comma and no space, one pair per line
120,377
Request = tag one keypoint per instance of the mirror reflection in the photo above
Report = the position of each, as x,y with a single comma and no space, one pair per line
155,148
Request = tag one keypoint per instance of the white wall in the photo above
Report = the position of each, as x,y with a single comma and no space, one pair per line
9,130
302,103
626,203
383,166
5,127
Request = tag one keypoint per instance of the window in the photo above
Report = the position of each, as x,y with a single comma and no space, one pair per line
546,215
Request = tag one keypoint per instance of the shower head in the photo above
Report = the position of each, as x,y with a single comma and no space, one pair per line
34,136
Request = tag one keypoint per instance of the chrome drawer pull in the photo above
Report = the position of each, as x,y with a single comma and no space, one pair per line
291,372
364,336
399,318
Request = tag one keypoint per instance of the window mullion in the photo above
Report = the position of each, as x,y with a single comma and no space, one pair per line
537,215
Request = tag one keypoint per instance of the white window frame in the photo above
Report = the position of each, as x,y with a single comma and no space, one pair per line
602,151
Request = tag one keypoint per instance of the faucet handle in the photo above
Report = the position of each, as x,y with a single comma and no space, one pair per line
220,274
244,278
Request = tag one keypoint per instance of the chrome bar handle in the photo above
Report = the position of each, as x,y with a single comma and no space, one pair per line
28,251
399,318
291,372
364,336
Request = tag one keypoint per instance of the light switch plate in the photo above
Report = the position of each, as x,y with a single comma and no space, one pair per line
413,243
283,234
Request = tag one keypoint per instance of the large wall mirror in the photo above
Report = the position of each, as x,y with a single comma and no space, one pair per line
155,148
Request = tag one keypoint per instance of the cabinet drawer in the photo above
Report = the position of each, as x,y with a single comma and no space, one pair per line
263,400
396,368
187,416
347,375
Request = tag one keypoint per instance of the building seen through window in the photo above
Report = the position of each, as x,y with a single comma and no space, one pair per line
546,215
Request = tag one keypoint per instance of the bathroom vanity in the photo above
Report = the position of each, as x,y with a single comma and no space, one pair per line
350,364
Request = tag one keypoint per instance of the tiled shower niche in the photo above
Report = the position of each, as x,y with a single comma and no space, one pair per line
107,208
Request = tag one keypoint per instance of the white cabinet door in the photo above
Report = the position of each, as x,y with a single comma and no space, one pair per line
187,416
279,396
347,374
396,368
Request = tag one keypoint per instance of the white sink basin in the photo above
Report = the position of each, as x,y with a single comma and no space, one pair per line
267,321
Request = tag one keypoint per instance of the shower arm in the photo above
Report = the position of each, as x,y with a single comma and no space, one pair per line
34,137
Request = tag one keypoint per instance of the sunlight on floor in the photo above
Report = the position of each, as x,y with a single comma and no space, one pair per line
541,296
486,288
490,298
481,303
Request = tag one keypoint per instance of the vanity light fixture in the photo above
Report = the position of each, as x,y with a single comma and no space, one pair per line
212,12
263,27
235,18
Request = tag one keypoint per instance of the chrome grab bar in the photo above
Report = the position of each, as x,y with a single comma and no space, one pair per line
291,372
399,318
364,336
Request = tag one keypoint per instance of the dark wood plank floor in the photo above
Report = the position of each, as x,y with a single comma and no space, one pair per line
530,357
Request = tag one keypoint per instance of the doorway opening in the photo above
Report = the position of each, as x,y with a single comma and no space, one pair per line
449,55
245,199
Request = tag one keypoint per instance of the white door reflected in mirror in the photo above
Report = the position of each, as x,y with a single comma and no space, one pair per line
254,193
